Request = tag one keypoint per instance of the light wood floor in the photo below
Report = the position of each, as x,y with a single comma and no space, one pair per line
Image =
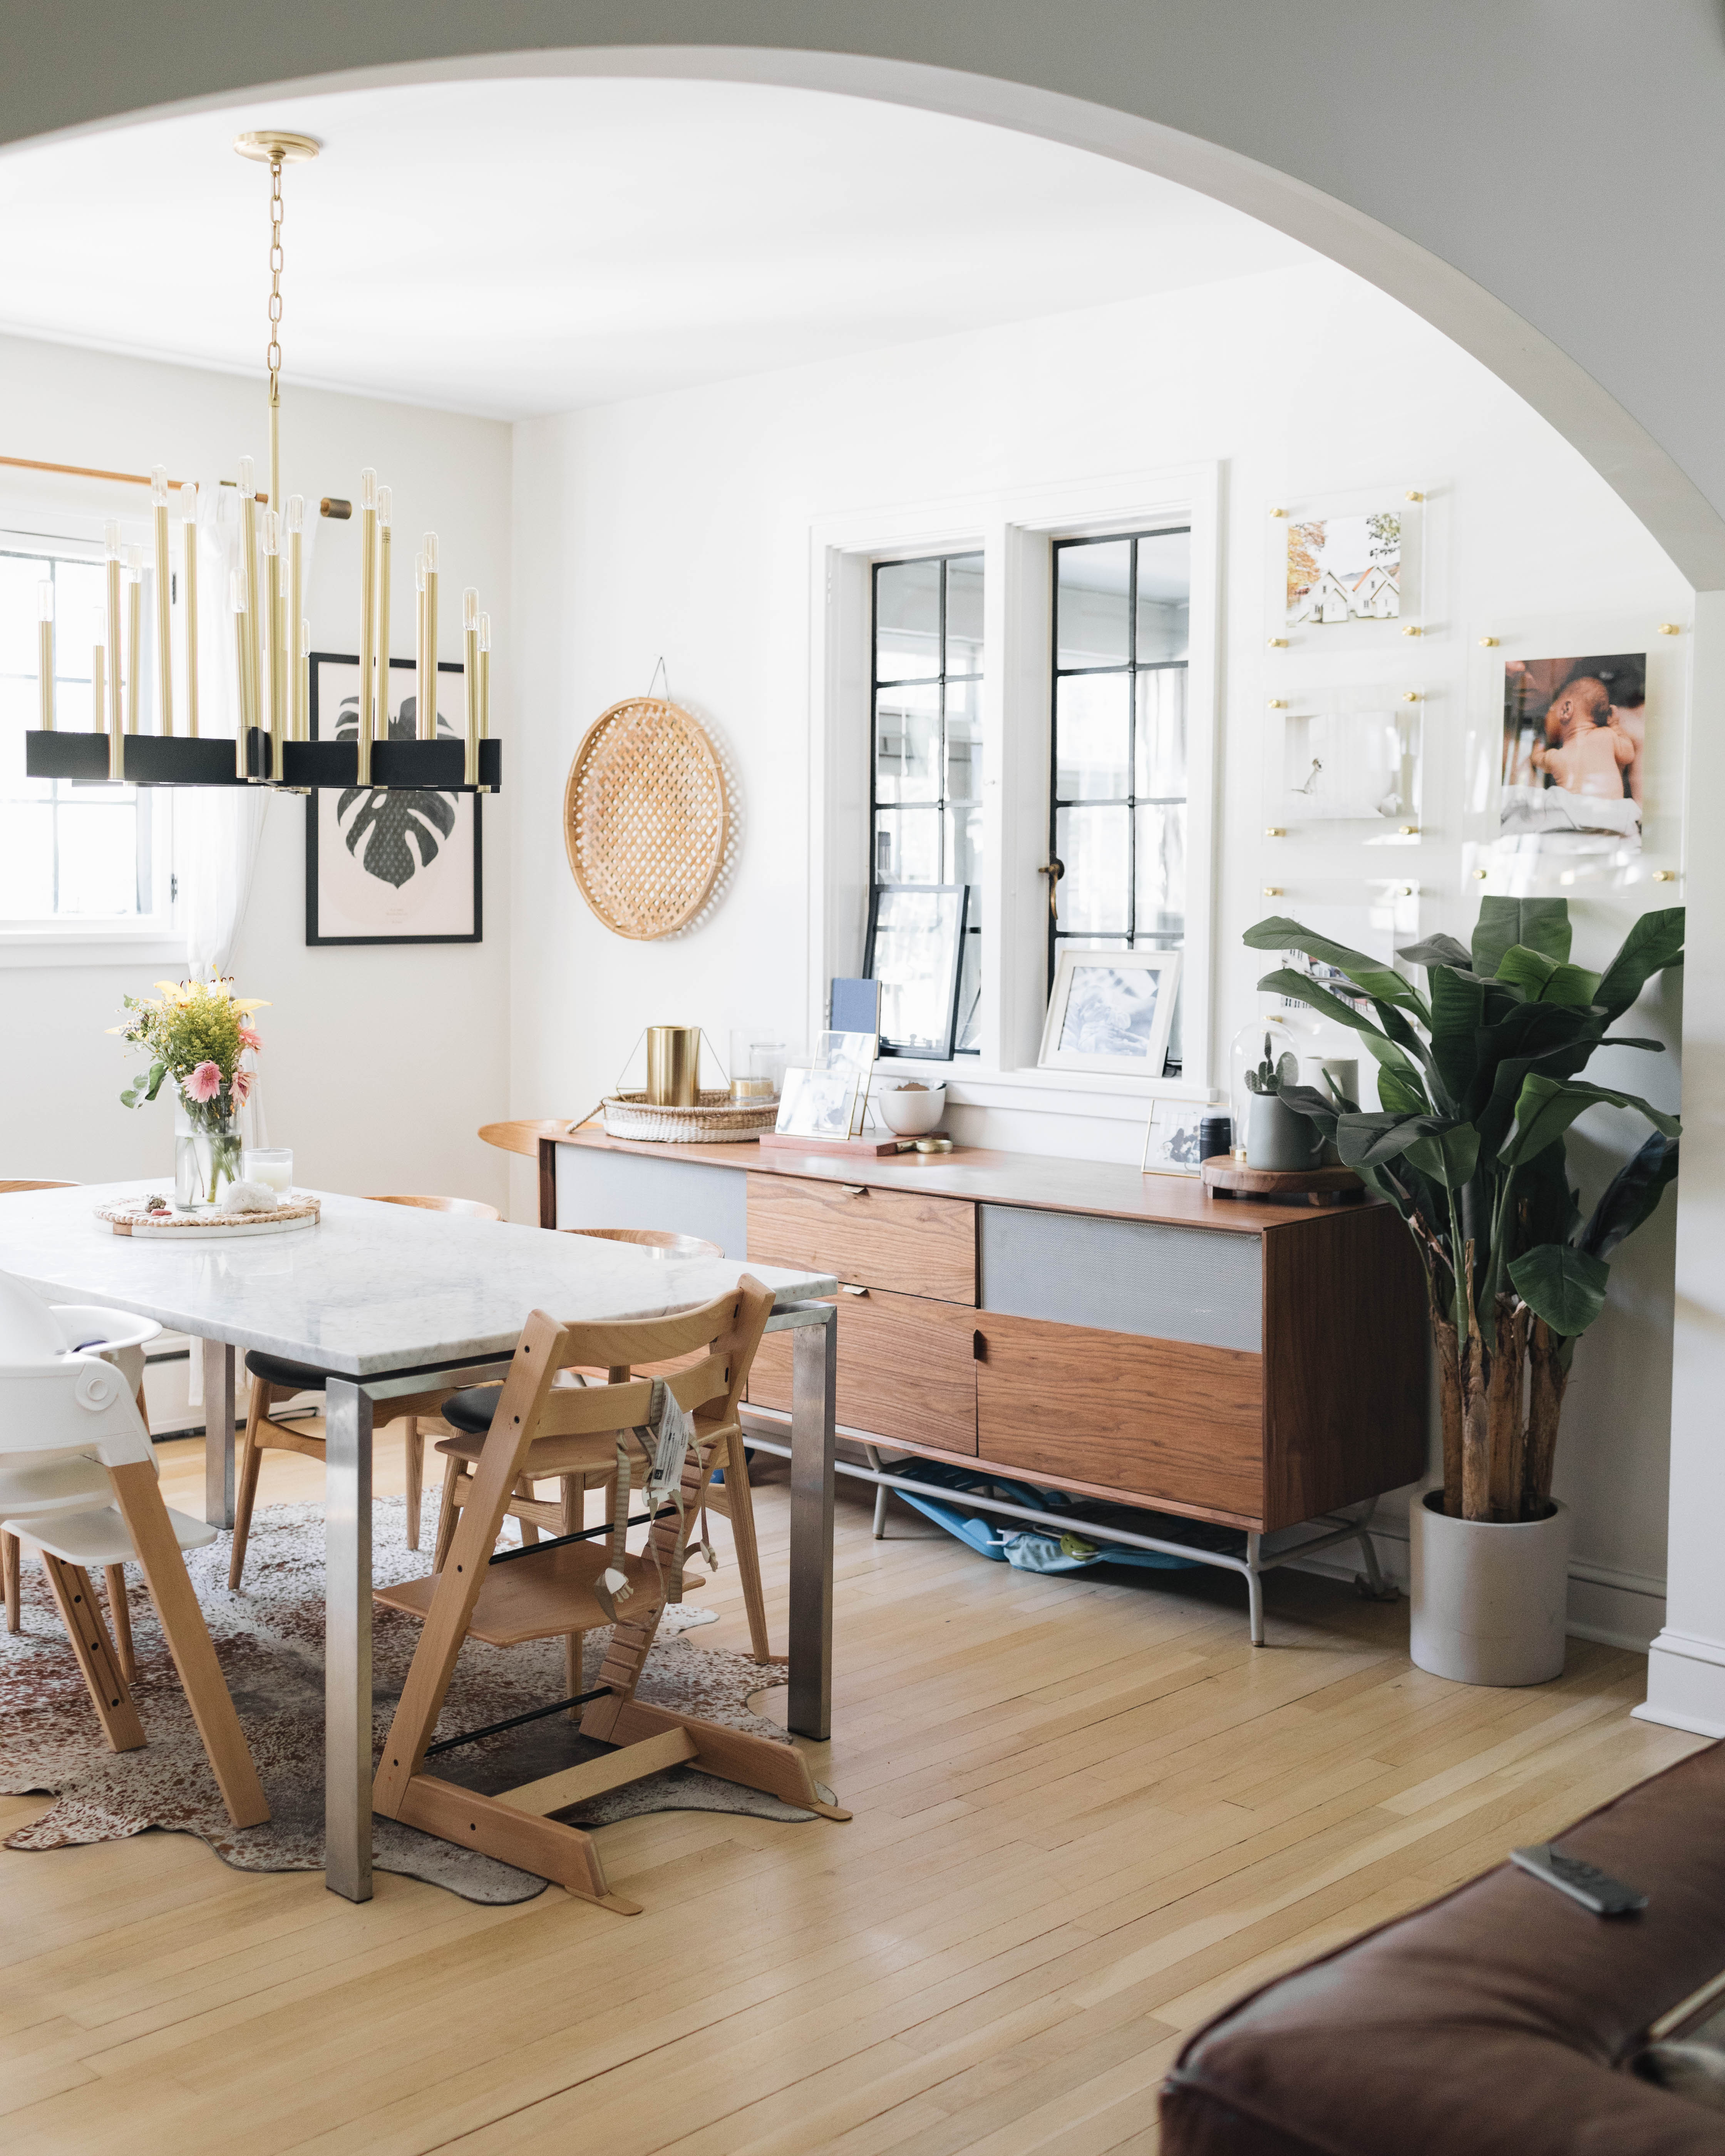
1087,1816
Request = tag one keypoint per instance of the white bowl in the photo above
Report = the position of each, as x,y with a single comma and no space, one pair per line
911,1114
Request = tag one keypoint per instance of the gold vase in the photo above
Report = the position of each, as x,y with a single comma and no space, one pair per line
673,1065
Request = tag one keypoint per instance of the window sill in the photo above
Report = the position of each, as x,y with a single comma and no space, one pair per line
1045,1092
105,945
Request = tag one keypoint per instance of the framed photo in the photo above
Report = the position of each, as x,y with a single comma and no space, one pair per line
915,947
1348,755
1574,734
388,865
1170,1137
1346,568
818,1104
1112,1010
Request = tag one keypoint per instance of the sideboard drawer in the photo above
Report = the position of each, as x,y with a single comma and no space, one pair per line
1162,1419
889,1239
906,1370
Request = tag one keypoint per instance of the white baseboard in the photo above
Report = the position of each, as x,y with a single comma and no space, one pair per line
1616,1609
1686,1684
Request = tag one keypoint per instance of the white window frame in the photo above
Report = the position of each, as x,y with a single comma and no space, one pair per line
1014,531
153,938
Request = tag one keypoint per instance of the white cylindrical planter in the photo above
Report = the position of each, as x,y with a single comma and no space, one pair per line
1489,1597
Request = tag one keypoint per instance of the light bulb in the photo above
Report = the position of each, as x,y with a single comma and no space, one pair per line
134,565
112,550
369,489
420,572
237,590
485,627
188,502
383,508
158,485
271,533
470,608
431,551
44,601
296,512
247,484
305,638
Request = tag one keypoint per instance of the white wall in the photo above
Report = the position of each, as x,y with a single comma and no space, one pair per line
680,525
379,1062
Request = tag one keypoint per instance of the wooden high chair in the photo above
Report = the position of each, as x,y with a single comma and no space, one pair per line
467,1415
505,1597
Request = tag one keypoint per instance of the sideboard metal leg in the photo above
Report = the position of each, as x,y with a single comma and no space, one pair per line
874,1454
1255,1588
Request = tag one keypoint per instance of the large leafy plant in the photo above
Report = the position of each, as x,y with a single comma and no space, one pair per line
1478,1083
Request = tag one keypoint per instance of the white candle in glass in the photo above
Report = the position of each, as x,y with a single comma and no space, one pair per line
271,1165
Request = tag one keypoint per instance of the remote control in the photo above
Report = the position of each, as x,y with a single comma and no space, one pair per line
1586,1883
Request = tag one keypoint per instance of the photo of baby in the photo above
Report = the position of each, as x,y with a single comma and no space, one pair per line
1573,734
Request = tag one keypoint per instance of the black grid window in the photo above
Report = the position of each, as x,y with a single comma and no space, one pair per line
1119,780
67,852
925,789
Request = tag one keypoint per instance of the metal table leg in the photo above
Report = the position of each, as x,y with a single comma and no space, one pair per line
814,1449
218,1375
347,1640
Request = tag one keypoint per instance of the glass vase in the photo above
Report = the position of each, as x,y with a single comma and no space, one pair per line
206,1152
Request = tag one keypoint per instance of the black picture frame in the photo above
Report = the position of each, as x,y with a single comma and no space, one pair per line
403,729
952,960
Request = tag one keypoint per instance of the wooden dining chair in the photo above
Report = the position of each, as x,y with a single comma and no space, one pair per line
505,1597
275,1381
728,1492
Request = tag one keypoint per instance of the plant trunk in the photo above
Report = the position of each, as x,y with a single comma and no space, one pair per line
1508,1430
1545,1407
1443,1332
1474,1365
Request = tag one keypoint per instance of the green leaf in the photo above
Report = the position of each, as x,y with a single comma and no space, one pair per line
1300,988
1438,951
1654,942
1449,1157
128,1100
1545,1108
1545,980
1458,1008
1631,1197
1540,924
1562,1285
1398,1097
1370,976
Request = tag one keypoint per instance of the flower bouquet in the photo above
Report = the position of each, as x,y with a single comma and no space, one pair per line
196,1033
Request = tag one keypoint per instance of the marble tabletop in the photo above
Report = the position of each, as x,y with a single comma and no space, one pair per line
371,1288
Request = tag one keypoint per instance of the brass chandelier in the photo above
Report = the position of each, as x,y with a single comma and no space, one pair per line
272,638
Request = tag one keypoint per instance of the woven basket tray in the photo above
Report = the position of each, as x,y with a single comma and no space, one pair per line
714,1120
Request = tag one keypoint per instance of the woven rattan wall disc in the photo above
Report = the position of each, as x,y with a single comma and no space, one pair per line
645,817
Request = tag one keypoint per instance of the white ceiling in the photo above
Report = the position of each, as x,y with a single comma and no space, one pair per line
514,248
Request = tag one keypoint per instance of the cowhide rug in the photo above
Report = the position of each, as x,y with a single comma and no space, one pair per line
269,1638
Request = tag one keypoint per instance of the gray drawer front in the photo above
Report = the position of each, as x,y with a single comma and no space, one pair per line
634,1190
1122,1276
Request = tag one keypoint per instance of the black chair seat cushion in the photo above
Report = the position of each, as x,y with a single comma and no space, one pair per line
470,1412
277,1370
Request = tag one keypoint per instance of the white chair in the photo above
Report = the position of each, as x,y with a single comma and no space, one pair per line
77,1487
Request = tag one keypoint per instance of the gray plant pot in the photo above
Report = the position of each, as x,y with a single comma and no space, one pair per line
1489,1597
1277,1138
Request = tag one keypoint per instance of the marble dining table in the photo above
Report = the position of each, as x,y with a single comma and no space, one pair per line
388,1301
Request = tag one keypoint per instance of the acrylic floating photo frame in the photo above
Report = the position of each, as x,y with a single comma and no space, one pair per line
1346,570
1111,1010
1347,757
819,1103
1174,1137
916,949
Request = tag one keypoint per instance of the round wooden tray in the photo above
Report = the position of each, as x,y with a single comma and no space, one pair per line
292,1213
645,820
1319,1186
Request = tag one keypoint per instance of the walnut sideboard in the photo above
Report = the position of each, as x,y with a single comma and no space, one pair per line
1070,1323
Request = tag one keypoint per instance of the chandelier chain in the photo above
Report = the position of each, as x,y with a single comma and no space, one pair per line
272,357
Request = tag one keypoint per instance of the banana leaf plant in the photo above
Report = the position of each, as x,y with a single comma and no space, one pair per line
1479,1079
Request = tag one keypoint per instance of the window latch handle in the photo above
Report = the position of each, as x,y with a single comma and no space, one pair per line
1054,868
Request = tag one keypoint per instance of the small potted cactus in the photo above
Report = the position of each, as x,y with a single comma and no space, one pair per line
1276,1138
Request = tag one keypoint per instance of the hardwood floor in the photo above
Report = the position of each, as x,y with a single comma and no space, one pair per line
1087,1816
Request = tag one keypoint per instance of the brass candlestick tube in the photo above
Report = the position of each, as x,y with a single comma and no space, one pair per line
385,566
112,559
133,632
427,686
278,648
44,651
484,682
470,681
294,614
164,615
367,616
252,596
188,503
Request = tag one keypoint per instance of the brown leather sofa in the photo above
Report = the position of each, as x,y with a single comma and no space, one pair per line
1497,2022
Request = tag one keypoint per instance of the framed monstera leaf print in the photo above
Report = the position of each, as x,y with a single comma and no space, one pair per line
395,864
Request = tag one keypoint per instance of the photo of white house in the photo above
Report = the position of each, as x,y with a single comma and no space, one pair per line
1345,568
